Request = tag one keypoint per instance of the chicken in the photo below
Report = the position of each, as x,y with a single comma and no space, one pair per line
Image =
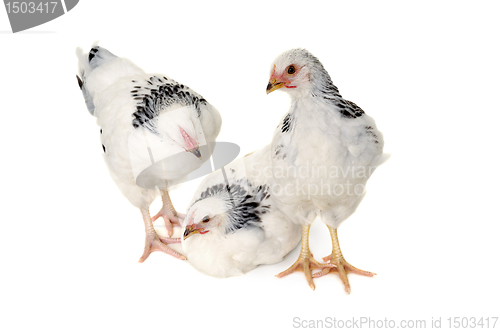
233,223
323,151
154,132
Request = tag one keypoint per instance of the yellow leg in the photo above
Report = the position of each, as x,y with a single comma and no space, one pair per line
342,267
305,262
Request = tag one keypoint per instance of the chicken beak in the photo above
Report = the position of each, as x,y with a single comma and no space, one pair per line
274,85
196,152
191,230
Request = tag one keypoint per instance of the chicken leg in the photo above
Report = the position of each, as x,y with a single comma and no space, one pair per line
154,242
342,267
168,213
306,262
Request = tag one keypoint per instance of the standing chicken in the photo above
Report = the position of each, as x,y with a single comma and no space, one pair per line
234,224
323,152
154,132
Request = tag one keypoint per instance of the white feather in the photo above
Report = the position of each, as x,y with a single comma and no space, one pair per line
223,254
107,82
326,154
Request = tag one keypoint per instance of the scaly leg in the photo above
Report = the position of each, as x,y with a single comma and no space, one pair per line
305,262
154,242
342,267
168,213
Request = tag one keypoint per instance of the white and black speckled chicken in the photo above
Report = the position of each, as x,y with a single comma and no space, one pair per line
234,223
323,153
154,132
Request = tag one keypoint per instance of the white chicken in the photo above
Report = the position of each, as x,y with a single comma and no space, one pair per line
323,152
154,132
234,223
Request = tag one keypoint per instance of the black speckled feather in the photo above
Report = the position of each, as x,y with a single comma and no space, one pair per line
369,131
155,95
327,90
247,202
347,108
287,123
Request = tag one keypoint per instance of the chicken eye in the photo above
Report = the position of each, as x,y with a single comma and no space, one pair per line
205,219
291,70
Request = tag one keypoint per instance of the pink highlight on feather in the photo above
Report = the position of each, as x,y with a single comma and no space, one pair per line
191,221
190,142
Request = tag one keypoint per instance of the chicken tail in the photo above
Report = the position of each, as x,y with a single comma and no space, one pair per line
111,68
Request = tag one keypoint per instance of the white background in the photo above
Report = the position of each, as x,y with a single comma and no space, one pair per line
428,72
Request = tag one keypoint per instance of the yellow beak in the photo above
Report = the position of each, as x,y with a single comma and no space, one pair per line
191,230
274,85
